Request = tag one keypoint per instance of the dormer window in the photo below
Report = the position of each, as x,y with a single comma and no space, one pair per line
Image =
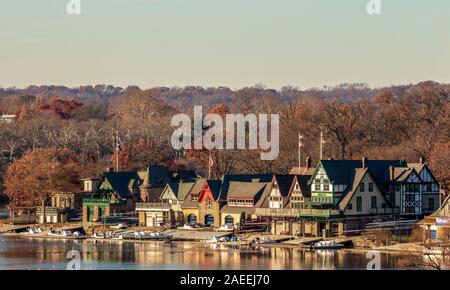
240,202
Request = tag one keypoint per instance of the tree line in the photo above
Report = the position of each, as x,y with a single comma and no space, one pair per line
410,122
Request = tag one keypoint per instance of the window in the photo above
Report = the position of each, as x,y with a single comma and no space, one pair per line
429,187
208,203
326,187
373,202
431,204
383,205
370,186
194,197
229,220
410,197
192,219
359,204
409,209
317,186
349,206
361,187
397,187
412,187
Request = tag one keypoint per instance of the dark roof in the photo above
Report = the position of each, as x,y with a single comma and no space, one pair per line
304,187
284,182
215,186
184,176
340,171
157,176
120,182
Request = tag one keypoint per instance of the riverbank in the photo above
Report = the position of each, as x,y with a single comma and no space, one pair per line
354,244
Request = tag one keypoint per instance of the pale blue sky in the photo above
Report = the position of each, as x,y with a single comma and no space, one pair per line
234,43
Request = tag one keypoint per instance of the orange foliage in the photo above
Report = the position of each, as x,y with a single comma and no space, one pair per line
38,175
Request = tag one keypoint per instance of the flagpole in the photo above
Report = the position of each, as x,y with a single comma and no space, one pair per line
117,151
321,141
299,159
209,165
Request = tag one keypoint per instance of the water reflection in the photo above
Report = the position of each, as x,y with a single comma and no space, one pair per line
25,253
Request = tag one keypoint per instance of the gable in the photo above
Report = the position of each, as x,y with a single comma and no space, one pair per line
168,193
361,175
275,192
413,177
104,185
426,175
206,193
319,173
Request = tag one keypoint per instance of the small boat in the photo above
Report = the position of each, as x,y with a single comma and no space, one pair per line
326,245
188,227
60,233
263,240
119,237
226,228
141,235
32,231
215,239
98,235
119,226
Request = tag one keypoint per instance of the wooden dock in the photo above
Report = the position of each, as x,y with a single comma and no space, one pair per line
190,235
4,230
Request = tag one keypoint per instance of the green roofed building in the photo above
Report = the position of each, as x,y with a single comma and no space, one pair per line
119,192
352,189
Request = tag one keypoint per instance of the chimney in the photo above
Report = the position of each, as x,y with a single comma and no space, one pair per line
308,162
364,162
422,160
391,173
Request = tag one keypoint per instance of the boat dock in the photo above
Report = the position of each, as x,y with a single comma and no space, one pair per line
4,230
188,235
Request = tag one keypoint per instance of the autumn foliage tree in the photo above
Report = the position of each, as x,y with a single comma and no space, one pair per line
62,108
40,174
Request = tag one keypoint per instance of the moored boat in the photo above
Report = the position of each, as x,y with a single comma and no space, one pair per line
326,245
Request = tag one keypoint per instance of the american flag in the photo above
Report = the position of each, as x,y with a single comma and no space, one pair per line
300,141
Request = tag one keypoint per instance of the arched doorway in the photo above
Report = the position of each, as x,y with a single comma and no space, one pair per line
209,220
229,220
192,219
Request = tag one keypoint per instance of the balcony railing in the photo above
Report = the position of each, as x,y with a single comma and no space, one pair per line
277,211
49,210
153,206
318,212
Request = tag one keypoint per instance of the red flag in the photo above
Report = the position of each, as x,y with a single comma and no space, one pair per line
119,143
300,141
210,161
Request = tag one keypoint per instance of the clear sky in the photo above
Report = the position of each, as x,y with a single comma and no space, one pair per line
233,43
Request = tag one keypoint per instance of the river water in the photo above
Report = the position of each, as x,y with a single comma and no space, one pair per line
26,253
